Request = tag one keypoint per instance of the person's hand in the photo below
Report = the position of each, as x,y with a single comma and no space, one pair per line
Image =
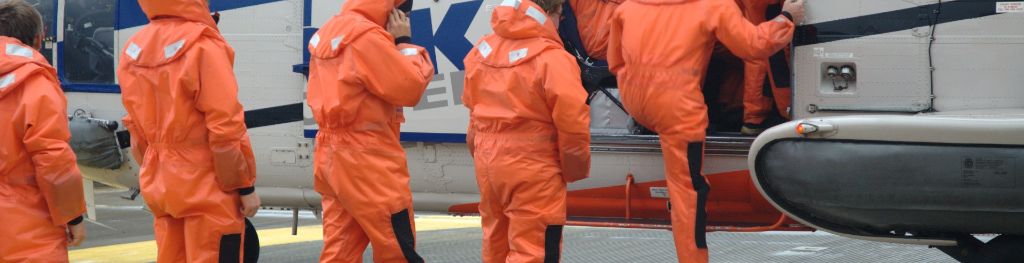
250,204
76,234
796,9
398,24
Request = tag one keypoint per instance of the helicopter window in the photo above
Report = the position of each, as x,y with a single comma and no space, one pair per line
88,53
47,9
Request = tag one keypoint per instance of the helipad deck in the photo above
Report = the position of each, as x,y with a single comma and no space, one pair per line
443,238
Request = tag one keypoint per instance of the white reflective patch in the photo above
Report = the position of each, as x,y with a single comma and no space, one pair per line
516,55
18,50
781,19
336,42
513,3
133,51
537,15
485,49
315,40
6,81
410,51
173,48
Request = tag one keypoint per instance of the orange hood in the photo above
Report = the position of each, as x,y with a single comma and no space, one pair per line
13,57
374,10
192,10
662,2
519,33
518,19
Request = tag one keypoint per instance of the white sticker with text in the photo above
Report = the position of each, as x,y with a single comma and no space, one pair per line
1009,7
659,192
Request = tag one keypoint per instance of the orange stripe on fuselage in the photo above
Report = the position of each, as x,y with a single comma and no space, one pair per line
733,201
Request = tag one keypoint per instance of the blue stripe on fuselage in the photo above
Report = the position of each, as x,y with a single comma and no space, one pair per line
413,136
131,15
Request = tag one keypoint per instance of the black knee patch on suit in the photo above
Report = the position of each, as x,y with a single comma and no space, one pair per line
779,69
229,248
553,244
695,156
251,244
777,63
403,232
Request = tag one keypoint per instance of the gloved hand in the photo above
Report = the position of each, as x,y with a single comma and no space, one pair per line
795,8
76,234
250,204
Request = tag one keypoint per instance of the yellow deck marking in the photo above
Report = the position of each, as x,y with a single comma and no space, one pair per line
145,251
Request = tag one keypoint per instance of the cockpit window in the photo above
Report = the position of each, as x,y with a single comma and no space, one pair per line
88,53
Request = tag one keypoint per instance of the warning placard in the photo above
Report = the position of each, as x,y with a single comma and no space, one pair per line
659,192
988,172
1009,7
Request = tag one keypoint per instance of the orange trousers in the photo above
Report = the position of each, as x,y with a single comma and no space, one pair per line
688,195
757,105
213,235
366,200
198,239
522,201
345,238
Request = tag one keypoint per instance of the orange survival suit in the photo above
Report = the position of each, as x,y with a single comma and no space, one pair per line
659,50
40,185
188,131
529,133
757,73
359,80
592,21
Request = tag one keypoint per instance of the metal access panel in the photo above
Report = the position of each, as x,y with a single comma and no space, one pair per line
887,48
882,43
979,61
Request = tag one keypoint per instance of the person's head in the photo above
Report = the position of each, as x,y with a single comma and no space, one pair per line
192,10
21,21
553,8
376,11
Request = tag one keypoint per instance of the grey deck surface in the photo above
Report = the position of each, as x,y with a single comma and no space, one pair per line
581,244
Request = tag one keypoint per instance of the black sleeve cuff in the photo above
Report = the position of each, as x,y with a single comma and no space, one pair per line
247,190
76,221
788,15
403,40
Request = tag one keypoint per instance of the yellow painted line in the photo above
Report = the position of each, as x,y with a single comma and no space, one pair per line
441,222
131,252
145,251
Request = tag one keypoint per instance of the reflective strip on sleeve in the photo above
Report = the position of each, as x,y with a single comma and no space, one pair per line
410,51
